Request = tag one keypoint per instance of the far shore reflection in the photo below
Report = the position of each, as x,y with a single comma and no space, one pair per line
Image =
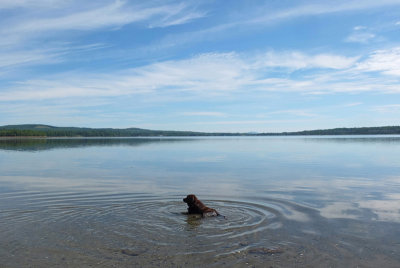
41,144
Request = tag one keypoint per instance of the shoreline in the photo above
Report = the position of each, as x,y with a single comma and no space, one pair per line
23,137
194,136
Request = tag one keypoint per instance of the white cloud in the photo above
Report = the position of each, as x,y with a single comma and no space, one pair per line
243,122
9,4
360,34
207,72
352,104
302,113
298,60
384,61
360,37
15,58
320,8
38,19
212,114
221,74
179,14
389,108
114,14
357,28
265,16
11,59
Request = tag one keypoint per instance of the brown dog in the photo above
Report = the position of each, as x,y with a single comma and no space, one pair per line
195,206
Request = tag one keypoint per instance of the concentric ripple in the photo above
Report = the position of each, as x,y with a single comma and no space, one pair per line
155,221
136,229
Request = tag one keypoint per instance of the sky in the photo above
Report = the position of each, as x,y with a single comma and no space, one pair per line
215,66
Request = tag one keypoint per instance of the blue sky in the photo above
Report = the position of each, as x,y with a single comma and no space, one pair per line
265,66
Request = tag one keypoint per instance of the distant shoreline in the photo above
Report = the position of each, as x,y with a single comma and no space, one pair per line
46,131
23,137
177,136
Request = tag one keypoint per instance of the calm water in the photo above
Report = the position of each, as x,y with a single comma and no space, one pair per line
288,202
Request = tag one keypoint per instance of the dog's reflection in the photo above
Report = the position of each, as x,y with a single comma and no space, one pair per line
193,220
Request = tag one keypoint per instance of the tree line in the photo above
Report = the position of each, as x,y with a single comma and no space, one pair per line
21,133
50,131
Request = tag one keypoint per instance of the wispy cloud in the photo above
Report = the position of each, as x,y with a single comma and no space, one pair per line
117,13
207,72
265,15
387,109
297,113
360,37
352,104
17,58
360,34
243,122
320,8
48,31
357,28
10,4
385,61
297,60
178,14
212,114
216,74
10,59
104,16
36,21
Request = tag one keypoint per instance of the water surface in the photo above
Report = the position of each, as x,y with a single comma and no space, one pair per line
288,202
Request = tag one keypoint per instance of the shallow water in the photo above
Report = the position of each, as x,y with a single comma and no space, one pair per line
288,202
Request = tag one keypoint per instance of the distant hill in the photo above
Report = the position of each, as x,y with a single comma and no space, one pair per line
52,131
388,130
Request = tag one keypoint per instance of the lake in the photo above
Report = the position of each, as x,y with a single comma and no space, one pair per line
288,202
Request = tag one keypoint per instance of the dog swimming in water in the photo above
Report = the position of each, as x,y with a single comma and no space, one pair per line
195,206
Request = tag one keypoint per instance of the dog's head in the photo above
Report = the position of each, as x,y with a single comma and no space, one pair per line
190,199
